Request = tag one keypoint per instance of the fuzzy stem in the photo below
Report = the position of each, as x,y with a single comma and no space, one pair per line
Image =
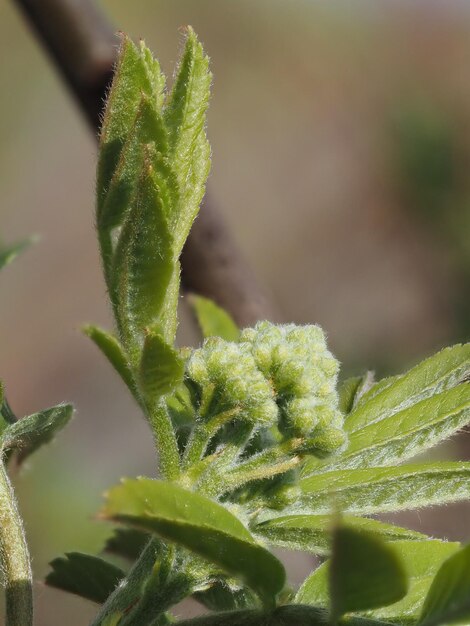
212,480
276,460
165,441
129,590
14,555
202,434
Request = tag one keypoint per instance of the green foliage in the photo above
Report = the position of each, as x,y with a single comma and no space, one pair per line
257,444
213,321
9,253
83,575
421,560
312,533
200,525
448,599
364,573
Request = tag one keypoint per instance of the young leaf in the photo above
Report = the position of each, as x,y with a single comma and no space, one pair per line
403,434
347,393
213,320
420,559
312,533
444,370
113,351
144,262
147,128
161,367
380,489
364,573
184,116
84,575
9,253
448,599
135,74
198,524
127,543
33,431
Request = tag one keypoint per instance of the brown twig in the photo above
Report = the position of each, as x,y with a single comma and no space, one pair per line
83,45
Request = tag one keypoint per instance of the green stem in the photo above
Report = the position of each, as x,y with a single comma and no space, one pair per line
129,591
214,476
202,434
276,460
165,441
14,557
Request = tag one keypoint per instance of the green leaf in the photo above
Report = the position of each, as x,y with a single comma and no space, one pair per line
347,393
9,253
33,431
200,525
161,367
113,351
289,615
144,262
404,434
184,116
136,74
127,543
364,573
221,597
147,128
380,489
448,599
84,575
444,370
420,559
213,320
312,533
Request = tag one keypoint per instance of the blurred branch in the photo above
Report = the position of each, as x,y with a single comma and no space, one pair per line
83,45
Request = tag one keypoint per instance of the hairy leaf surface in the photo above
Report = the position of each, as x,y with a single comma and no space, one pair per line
33,431
442,371
213,320
200,525
364,573
404,434
380,489
448,599
312,533
84,575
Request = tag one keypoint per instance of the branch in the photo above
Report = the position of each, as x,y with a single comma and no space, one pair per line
83,45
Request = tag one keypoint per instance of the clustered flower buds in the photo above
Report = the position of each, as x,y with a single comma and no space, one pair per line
303,374
280,375
230,372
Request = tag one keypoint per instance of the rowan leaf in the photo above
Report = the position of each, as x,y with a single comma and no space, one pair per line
448,599
184,116
312,533
381,489
113,351
403,434
213,320
84,575
161,367
199,524
364,573
442,371
31,432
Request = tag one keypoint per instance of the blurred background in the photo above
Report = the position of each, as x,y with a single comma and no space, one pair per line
341,144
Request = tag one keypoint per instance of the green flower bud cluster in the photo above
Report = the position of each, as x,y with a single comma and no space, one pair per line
303,374
229,371
277,375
